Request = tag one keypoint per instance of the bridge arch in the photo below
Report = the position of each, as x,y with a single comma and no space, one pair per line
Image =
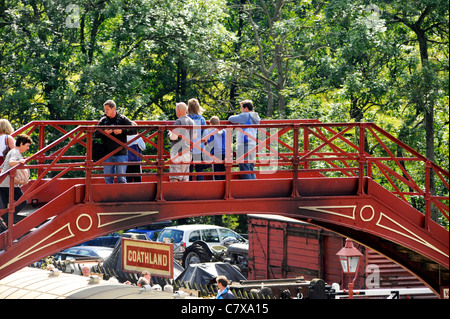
328,182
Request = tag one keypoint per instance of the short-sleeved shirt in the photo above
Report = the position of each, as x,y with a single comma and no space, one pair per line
180,144
13,155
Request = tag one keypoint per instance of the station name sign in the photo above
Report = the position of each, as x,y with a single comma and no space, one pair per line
140,255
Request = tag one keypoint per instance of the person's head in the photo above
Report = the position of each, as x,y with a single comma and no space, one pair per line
214,120
5,127
142,282
23,142
222,282
86,271
246,106
194,107
181,109
50,267
110,108
146,275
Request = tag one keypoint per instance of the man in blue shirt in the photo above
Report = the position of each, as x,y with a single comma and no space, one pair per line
244,142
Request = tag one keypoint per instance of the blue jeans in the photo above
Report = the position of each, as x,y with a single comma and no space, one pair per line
197,157
115,169
247,167
241,150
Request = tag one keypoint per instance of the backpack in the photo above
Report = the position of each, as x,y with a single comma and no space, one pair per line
248,130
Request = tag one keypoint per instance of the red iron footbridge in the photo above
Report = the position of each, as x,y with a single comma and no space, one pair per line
351,178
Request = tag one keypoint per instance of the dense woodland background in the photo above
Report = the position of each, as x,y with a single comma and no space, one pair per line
337,61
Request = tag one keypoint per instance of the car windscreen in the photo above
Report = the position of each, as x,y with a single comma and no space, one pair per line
224,232
171,236
104,253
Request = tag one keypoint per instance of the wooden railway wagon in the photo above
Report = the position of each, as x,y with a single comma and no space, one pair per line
281,247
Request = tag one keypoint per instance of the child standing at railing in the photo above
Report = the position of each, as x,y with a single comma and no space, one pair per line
138,145
217,147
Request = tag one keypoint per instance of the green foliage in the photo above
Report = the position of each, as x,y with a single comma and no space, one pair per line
237,223
344,60
61,63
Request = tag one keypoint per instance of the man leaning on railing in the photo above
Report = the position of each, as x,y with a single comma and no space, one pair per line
112,117
244,142
179,147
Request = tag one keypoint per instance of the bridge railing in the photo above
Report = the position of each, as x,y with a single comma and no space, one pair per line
284,149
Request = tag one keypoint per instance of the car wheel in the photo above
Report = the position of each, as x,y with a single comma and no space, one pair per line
195,254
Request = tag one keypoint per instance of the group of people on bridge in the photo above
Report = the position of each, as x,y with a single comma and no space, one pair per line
184,159
189,114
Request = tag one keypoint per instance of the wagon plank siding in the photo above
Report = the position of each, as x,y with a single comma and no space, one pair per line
281,247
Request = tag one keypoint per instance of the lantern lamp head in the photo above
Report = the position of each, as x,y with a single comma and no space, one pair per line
349,257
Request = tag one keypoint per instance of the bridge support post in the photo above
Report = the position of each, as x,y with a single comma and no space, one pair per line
11,210
228,162
160,165
41,145
295,163
89,164
361,159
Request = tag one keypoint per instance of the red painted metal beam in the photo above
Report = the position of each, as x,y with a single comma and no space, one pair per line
322,176
116,207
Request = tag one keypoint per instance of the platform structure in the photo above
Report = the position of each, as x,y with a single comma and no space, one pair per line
351,178
34,283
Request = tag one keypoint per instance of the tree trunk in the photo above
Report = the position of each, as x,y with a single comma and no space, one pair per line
237,49
280,81
427,104
181,81
269,112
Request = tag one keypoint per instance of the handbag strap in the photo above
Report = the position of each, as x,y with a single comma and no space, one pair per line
6,145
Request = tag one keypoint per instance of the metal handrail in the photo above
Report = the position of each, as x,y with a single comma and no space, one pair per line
295,146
